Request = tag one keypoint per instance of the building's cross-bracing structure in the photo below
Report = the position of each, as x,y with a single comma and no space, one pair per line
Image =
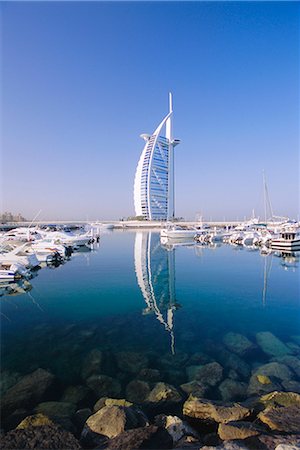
154,178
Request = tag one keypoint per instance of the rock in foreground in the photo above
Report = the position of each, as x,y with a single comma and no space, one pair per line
39,437
212,411
146,437
110,421
285,419
237,430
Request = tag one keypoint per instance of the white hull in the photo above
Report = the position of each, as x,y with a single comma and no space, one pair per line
285,244
28,261
178,234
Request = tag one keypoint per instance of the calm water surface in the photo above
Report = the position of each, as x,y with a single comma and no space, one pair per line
132,294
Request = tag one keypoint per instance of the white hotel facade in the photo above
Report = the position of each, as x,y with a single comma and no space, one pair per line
154,178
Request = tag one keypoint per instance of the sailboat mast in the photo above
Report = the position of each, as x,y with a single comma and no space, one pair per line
265,199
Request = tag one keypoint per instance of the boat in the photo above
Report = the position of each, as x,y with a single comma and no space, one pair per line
20,234
48,247
288,240
7,274
68,239
177,232
18,255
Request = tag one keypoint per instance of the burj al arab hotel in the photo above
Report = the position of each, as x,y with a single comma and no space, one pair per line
154,177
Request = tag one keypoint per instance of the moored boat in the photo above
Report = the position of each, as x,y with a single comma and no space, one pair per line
177,232
288,240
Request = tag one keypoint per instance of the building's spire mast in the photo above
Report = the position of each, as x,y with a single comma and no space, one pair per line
171,212
169,121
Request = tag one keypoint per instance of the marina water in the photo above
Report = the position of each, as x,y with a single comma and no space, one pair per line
172,305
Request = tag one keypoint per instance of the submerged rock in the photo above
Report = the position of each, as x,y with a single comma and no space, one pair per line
177,361
286,418
131,362
27,392
274,369
237,430
259,386
194,387
280,399
39,437
232,390
199,358
78,395
56,409
137,391
92,363
291,386
163,392
271,345
208,375
291,361
237,343
191,371
294,347
103,385
213,411
7,380
149,375
234,362
146,437
60,412
296,338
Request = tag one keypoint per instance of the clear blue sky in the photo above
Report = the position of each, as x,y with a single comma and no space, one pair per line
81,81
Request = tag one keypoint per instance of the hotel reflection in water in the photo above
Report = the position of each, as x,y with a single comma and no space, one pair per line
155,271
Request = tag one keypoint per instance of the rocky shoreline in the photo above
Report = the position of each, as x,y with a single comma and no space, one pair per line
241,394
268,422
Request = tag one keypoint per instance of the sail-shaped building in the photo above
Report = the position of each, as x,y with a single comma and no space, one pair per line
154,178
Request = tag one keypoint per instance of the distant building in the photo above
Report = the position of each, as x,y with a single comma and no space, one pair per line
154,178
9,217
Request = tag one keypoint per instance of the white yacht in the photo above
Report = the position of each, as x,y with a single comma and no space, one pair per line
176,232
69,239
18,255
289,240
21,234
47,247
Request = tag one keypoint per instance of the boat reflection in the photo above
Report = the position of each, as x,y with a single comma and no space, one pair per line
14,287
155,271
289,259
